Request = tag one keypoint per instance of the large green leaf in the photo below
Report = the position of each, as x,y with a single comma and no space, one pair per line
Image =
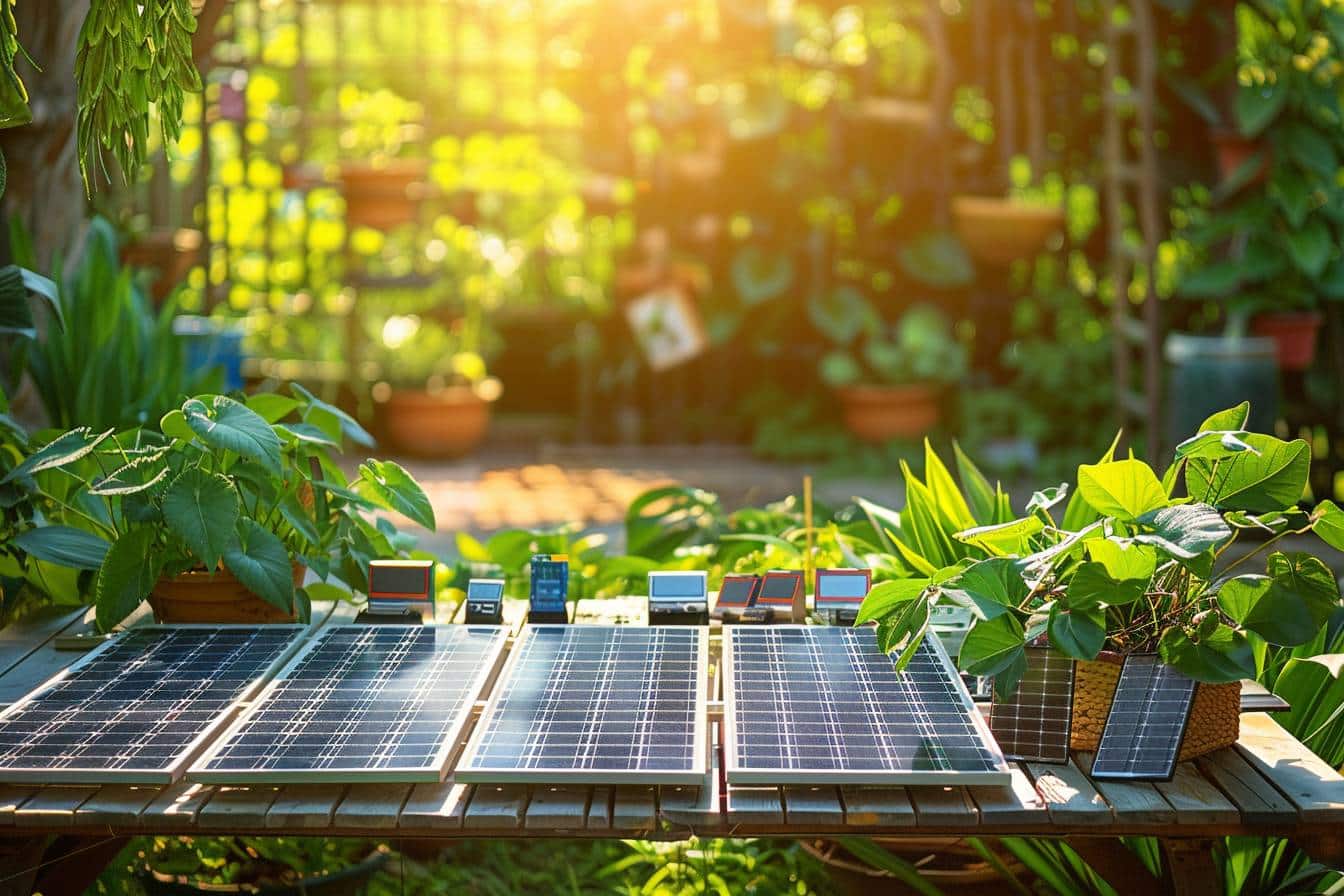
1293,193
937,259
1078,632
1310,246
385,484
1329,524
886,597
990,587
947,496
1123,560
1287,607
226,424
1184,530
1005,538
1258,105
127,576
1223,655
1308,147
202,509
1231,420
1273,479
342,423
1214,444
979,496
992,645
1093,586
1125,489
259,560
62,545
61,451
271,406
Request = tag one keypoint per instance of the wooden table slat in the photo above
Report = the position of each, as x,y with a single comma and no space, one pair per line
53,805
754,805
944,806
177,807
305,806
438,806
1069,794
1195,800
1016,804
634,808
1133,802
117,805
599,809
813,806
495,807
371,805
12,796
1258,800
877,807
1308,781
557,808
238,807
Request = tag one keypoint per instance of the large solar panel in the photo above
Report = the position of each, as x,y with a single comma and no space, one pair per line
137,709
1034,723
1149,712
822,704
361,703
596,704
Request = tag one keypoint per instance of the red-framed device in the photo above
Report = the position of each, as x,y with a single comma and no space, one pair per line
401,580
851,596
783,589
738,591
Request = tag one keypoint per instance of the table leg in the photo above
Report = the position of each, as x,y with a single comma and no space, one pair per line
1116,865
1191,870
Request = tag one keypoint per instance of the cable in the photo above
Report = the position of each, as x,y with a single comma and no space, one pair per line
62,858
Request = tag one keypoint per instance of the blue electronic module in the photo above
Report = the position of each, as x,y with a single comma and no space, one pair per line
549,589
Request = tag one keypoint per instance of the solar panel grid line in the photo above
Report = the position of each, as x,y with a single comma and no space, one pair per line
1034,724
597,705
797,710
1149,714
361,704
161,729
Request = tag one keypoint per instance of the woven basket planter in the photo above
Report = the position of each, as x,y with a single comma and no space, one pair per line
1215,718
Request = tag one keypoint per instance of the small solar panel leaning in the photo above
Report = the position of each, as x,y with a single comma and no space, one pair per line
822,704
1149,712
1033,725
137,709
361,703
596,704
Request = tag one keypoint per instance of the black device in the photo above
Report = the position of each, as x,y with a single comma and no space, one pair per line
485,602
678,597
781,593
736,595
838,593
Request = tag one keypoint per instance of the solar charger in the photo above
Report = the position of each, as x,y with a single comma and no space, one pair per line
549,589
678,597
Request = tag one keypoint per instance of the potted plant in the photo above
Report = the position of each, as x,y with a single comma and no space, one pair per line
887,378
313,866
434,393
999,230
214,516
382,188
1131,568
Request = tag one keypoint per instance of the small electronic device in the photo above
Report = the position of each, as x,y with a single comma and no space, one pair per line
736,595
782,594
678,597
400,591
485,602
837,594
549,589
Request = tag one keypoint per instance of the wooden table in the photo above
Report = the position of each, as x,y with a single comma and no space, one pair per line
1269,784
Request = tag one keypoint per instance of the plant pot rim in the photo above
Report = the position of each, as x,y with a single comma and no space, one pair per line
969,205
1302,316
889,390
202,576
454,394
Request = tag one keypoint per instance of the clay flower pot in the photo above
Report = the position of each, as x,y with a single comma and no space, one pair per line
450,422
999,231
216,598
1232,150
385,195
170,253
1294,335
882,413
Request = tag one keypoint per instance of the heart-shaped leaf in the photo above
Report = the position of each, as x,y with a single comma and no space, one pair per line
259,560
992,645
202,509
990,587
226,424
128,574
1124,489
1273,478
1184,530
1077,632
62,545
385,484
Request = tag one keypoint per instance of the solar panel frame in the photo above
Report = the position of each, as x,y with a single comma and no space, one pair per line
174,770
735,773
698,774
997,709
1153,685
440,764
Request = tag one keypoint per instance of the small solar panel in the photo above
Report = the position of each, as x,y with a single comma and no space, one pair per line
677,587
596,704
736,591
1149,712
137,709
822,704
1033,724
841,586
361,703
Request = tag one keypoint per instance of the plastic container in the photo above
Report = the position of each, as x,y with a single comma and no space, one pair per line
1207,374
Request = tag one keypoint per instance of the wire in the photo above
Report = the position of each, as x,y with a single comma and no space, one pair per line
58,859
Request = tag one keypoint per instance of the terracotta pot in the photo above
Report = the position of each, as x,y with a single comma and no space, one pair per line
882,413
170,253
202,597
447,423
1294,334
999,231
383,196
1231,151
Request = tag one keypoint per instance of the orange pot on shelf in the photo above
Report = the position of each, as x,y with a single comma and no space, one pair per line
169,252
383,195
882,413
450,422
1294,334
216,598
999,231
1232,150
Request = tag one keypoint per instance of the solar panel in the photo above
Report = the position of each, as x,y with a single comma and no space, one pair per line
822,704
1144,729
361,703
137,709
596,704
1034,723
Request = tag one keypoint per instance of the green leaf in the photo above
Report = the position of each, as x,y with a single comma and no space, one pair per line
1222,656
202,509
844,313
1273,479
979,495
1293,194
300,518
174,425
386,485
259,560
1123,560
1077,632
1184,530
947,496
63,450
1213,444
937,259
1212,280
1310,246
62,545
1125,489
1230,420
1005,538
346,424
886,597
990,587
1093,586
992,645
1257,106
271,406
1308,147
761,275
231,426
1287,607
127,576
1329,524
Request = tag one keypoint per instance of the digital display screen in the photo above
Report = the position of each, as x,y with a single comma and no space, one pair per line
485,590
736,592
845,586
677,586
781,587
